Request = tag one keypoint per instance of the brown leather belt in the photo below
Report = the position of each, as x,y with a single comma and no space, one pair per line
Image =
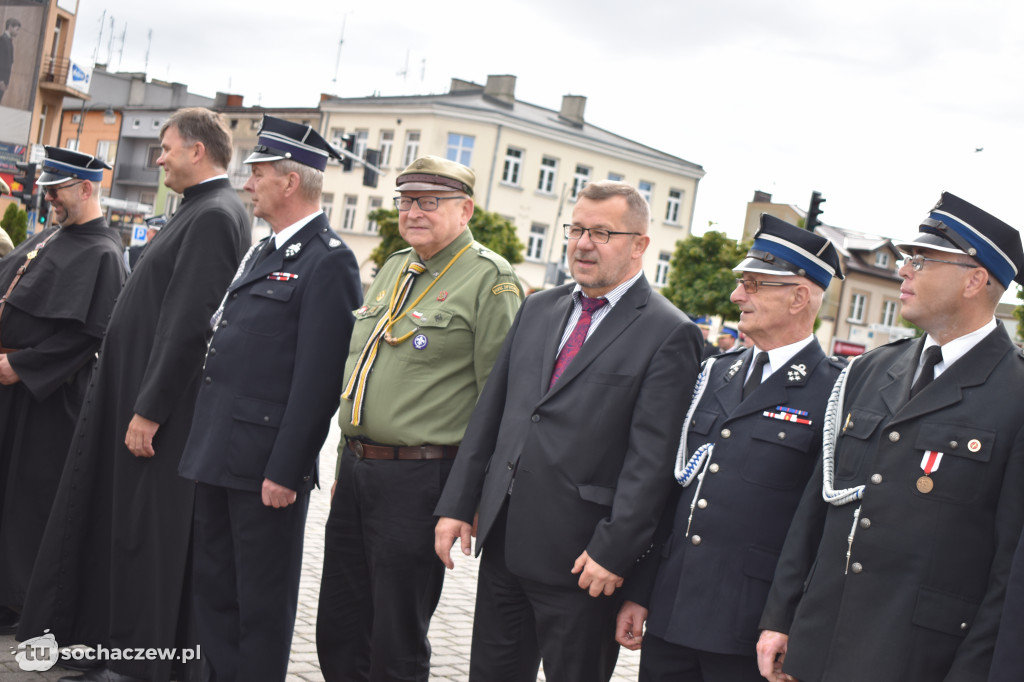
7,351
412,452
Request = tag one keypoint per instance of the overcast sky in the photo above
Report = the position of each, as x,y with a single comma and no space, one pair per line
879,105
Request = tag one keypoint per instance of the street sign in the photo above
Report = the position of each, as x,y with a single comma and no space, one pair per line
138,235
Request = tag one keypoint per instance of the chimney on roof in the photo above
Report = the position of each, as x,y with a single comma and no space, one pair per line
572,109
762,197
501,88
459,85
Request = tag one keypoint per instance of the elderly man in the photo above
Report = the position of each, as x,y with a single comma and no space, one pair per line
434,320
58,288
749,445
274,375
112,566
897,560
569,452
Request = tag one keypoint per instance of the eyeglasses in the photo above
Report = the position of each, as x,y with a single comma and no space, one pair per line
52,190
750,285
597,235
425,203
917,262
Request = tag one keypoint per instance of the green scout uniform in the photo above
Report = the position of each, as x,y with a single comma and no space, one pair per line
425,395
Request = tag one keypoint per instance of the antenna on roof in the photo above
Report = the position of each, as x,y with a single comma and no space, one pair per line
405,71
99,38
341,41
149,43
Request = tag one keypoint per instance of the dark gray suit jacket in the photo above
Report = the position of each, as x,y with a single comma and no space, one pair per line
592,457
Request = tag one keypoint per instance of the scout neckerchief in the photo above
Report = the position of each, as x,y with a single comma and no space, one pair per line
21,271
355,390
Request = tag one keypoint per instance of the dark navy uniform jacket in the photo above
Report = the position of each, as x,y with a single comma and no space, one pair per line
711,585
922,594
273,373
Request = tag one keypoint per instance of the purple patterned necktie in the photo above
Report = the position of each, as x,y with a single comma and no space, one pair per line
577,337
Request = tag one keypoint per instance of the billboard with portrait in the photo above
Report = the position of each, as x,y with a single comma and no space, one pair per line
21,45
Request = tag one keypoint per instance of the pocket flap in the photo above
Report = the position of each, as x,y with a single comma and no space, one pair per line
760,563
277,291
861,423
598,494
956,440
430,317
255,411
702,421
943,612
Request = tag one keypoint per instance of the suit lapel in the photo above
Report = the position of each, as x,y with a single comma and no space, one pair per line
617,320
730,391
973,369
275,261
775,389
901,374
557,319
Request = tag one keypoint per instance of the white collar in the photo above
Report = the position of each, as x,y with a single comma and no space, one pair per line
958,347
778,357
281,238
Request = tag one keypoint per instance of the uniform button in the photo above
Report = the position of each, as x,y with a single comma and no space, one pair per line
963,626
713,468
876,478
266,418
894,436
702,504
234,296
270,291
535,418
782,435
223,323
208,380
865,523
953,445
695,540
856,567
508,465
213,351
305,478
726,433
436,274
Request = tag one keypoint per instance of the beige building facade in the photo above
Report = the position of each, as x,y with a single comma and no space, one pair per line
529,162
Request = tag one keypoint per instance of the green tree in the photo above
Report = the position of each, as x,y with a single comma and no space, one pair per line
489,228
15,222
1018,312
701,278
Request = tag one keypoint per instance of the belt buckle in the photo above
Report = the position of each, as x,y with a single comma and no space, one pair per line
357,447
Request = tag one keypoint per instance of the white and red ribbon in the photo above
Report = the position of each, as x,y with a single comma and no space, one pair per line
930,461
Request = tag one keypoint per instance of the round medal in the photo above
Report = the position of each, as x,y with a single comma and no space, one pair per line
925,484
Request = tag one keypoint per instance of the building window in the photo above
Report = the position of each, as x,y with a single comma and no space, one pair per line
136,123
412,147
337,137
460,148
646,189
156,124
348,218
661,271
42,123
565,254
882,259
387,139
616,177
327,204
106,150
857,305
360,149
513,165
371,224
889,314
71,144
579,178
548,168
535,245
152,154
675,200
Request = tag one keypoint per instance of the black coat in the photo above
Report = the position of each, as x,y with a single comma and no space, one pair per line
927,571
55,318
711,585
111,568
274,371
593,455
1008,659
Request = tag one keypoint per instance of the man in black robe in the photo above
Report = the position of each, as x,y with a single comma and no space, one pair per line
51,323
112,566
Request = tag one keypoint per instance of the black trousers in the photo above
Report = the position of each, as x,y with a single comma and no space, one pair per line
381,580
247,560
662,661
519,622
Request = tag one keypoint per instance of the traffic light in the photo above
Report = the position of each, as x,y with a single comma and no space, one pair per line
814,211
27,180
348,151
370,168
44,206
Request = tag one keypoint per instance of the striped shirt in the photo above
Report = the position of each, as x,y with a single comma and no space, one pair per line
613,297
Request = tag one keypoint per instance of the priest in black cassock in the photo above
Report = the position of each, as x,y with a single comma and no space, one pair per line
112,569
52,319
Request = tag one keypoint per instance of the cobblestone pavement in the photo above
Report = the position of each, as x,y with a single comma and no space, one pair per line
450,630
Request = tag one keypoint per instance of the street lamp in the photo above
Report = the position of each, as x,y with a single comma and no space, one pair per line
109,118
